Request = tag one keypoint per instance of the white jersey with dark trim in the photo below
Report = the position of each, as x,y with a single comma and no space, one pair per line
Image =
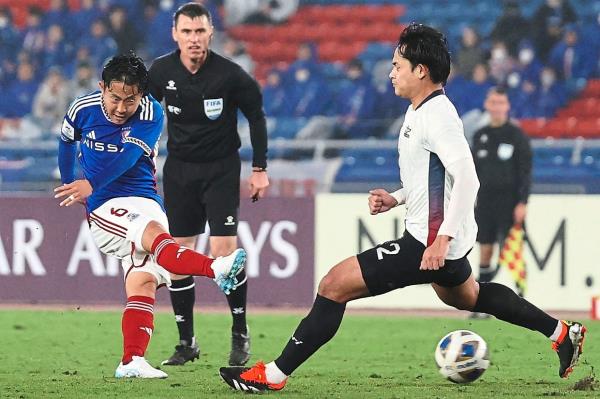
431,138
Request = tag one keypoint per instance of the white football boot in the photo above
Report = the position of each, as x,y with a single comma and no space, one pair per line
138,367
226,268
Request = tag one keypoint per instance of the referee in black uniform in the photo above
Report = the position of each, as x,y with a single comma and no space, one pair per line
502,155
202,92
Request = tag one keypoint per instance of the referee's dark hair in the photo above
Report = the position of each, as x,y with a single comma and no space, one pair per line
421,44
127,68
191,10
501,90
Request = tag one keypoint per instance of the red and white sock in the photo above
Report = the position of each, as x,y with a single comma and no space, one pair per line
559,332
137,326
180,260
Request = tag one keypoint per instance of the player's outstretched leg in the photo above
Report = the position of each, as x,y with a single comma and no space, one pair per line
569,346
227,268
503,303
343,283
184,261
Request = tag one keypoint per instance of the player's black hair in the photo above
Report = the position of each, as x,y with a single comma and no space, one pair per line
424,45
127,68
191,10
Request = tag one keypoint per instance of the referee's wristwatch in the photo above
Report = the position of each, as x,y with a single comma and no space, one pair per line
257,169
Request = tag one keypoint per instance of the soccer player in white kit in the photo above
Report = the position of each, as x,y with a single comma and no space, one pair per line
118,128
439,187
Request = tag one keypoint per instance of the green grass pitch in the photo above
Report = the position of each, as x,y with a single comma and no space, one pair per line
73,354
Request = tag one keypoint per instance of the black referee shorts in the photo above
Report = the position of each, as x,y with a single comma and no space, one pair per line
395,264
199,192
494,216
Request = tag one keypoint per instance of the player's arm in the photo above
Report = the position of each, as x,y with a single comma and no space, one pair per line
248,96
523,159
445,137
381,201
67,150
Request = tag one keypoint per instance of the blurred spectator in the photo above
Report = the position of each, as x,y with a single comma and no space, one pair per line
527,66
57,50
500,63
470,52
571,58
157,30
85,17
236,52
307,93
10,40
51,101
272,12
511,27
548,22
84,82
456,89
59,14
259,11
274,95
355,104
477,88
551,95
34,35
20,92
306,55
122,30
100,45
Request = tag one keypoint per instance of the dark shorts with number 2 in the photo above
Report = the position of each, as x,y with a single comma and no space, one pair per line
395,264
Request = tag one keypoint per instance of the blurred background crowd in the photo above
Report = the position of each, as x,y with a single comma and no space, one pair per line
323,65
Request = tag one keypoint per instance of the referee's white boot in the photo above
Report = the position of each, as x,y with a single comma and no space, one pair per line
138,367
226,268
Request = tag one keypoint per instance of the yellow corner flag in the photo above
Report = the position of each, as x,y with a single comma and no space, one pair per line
511,256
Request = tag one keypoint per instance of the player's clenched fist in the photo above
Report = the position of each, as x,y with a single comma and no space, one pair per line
380,201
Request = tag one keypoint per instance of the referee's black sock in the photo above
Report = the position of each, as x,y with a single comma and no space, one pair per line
318,327
237,304
502,302
183,297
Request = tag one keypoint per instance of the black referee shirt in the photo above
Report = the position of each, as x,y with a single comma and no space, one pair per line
503,161
202,108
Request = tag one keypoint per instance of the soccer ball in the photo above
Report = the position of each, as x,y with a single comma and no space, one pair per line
462,356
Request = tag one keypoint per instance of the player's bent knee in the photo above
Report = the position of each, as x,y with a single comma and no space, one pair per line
140,283
330,287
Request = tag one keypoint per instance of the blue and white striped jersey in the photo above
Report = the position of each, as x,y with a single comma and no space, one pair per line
107,148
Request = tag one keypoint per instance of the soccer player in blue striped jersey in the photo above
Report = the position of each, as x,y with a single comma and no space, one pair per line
118,128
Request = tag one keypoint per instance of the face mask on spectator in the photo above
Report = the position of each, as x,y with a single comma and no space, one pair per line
302,75
498,54
547,79
513,80
3,22
526,56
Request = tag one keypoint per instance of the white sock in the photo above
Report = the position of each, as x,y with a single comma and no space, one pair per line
274,375
557,331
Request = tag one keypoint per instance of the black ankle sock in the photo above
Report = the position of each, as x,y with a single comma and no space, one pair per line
487,273
500,301
318,327
237,304
183,297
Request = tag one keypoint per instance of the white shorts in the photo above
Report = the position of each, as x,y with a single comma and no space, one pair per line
117,227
